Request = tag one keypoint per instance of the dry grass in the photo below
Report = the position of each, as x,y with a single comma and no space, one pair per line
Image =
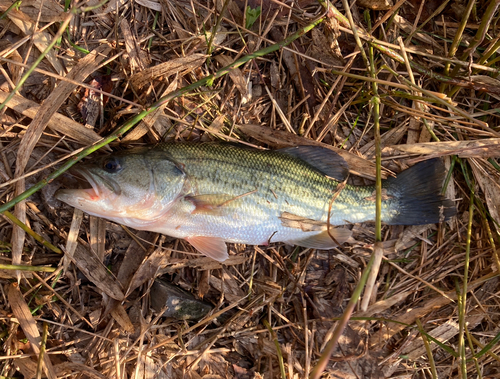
432,307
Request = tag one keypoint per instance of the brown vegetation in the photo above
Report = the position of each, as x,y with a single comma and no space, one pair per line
408,81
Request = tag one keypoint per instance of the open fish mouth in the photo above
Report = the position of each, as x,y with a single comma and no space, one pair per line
100,188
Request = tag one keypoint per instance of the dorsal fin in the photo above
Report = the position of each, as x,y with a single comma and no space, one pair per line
325,160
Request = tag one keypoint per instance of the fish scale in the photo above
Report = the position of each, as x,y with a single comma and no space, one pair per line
277,176
212,193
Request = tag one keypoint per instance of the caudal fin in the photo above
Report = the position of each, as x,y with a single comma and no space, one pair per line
418,191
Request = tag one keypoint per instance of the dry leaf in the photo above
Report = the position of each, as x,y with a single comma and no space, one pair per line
390,137
134,255
324,50
236,76
182,34
228,285
148,269
44,10
485,148
378,5
63,369
113,6
442,333
92,103
97,236
148,123
14,69
408,317
138,58
411,234
274,73
382,305
40,39
26,366
28,325
62,124
121,317
173,66
487,80
90,265
204,283
489,181
72,240
408,28
154,5
215,128
50,106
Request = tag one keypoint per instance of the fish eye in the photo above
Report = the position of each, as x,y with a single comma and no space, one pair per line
111,165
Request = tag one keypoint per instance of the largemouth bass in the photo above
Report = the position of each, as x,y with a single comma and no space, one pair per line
213,193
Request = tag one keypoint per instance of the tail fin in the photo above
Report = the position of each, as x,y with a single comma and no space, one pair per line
418,191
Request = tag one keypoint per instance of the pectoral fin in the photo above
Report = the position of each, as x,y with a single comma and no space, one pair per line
323,240
209,204
212,247
213,204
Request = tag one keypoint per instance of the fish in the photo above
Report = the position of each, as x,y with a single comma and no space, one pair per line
210,193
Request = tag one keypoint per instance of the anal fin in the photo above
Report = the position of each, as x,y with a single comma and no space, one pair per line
212,247
324,240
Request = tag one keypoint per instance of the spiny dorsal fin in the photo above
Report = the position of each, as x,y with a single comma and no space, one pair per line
328,162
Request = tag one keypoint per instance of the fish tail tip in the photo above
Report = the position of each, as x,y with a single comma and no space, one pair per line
420,200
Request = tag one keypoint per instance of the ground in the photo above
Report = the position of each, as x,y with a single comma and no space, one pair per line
403,82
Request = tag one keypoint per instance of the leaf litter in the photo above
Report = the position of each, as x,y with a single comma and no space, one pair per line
97,308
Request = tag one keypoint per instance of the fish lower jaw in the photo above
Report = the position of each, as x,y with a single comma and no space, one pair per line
76,197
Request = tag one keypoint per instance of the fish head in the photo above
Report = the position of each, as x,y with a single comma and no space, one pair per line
127,186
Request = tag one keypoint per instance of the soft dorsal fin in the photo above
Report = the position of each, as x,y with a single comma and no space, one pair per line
212,247
325,160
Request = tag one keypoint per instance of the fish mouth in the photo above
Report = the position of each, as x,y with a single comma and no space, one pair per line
100,188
